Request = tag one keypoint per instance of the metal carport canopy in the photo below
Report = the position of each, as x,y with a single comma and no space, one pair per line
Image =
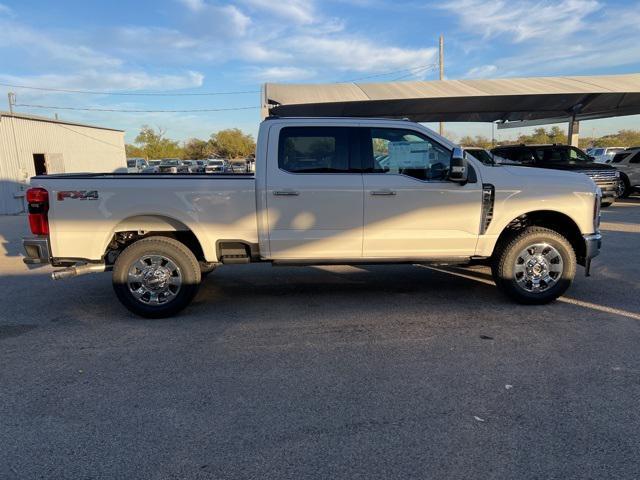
503,99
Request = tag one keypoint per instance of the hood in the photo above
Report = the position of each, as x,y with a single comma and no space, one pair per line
548,176
577,166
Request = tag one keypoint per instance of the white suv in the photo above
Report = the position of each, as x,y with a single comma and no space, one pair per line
628,164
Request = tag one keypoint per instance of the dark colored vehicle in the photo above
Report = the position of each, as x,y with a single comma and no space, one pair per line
565,157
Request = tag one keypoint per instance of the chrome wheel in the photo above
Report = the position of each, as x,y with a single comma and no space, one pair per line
154,279
538,267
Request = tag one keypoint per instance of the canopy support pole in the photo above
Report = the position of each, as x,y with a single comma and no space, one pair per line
573,136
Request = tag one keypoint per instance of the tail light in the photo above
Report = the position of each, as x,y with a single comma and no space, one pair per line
38,200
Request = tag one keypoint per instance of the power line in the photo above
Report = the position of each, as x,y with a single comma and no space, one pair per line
86,109
158,94
415,72
392,72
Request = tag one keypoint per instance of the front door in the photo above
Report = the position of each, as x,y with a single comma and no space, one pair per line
411,209
314,194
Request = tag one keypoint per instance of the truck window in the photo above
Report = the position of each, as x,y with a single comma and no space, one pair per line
314,150
406,152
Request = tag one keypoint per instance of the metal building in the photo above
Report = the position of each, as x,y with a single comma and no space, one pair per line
32,145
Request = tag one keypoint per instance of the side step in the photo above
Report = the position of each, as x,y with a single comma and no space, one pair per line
234,253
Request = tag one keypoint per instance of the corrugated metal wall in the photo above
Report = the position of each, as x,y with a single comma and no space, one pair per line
67,148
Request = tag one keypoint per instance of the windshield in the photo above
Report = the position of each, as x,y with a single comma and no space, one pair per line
131,163
482,155
170,162
215,162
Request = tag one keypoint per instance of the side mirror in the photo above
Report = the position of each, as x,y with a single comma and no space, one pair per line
458,169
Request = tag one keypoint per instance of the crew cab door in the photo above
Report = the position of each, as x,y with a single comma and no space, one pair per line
411,209
314,193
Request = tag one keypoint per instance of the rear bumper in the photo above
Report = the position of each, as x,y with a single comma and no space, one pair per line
37,250
593,243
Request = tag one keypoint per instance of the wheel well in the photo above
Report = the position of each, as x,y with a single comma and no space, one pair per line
556,221
123,239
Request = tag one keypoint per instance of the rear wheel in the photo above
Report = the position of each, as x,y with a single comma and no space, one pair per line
156,277
535,266
606,204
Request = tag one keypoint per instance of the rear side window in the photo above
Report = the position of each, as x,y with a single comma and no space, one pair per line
636,158
314,150
619,157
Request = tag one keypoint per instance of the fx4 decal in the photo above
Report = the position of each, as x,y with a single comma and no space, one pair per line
78,195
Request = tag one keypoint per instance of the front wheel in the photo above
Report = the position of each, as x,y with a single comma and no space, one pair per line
535,266
156,277
624,187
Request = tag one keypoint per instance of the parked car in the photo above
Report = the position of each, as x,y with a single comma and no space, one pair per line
628,163
604,154
172,165
153,167
194,166
320,197
216,165
567,158
136,165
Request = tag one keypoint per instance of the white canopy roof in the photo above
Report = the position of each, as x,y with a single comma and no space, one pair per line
505,99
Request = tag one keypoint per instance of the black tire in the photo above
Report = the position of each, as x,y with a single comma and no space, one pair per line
625,186
508,253
606,204
186,273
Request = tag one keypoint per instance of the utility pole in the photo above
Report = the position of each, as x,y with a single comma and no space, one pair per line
441,129
12,100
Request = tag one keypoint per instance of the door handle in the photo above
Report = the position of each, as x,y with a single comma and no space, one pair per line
286,193
383,192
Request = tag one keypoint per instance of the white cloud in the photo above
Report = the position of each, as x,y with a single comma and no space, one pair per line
281,74
357,54
4,10
111,81
301,12
520,20
49,50
482,71
211,19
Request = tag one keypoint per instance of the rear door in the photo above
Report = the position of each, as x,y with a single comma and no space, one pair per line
411,209
314,193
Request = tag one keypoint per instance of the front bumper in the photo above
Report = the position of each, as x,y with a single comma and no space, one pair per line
37,250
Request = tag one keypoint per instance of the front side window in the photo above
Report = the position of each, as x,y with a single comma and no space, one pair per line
314,150
406,152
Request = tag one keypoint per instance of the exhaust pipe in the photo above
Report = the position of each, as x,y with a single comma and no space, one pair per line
77,270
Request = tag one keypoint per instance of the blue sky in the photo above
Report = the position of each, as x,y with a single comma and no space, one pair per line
219,46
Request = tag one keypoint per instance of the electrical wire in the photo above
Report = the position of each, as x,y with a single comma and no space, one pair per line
422,70
392,72
159,94
87,109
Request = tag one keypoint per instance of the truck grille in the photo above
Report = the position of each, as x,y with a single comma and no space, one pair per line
601,175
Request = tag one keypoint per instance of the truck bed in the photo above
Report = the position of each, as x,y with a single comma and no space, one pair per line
86,209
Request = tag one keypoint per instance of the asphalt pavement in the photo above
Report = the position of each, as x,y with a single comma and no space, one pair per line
327,372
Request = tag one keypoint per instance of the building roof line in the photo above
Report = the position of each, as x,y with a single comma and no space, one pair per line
37,118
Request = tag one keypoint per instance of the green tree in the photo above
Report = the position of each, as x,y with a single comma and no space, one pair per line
197,149
232,143
477,141
153,144
133,151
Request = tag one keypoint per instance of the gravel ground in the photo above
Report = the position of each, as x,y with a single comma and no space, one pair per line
329,372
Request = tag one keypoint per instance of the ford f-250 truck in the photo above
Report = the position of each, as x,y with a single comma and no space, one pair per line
325,191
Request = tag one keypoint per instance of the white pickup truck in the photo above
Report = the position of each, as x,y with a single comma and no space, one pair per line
325,191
